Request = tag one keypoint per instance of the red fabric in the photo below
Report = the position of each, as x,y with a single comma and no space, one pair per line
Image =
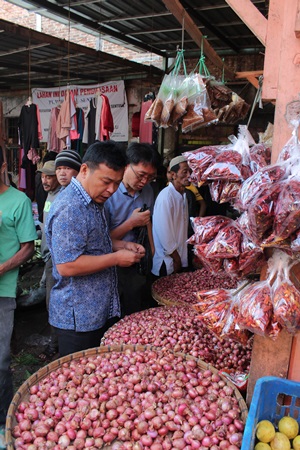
106,121
145,127
135,124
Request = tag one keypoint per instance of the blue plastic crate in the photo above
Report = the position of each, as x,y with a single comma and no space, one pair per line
272,399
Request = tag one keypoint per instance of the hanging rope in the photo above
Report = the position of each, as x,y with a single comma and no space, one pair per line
257,99
69,37
182,32
29,67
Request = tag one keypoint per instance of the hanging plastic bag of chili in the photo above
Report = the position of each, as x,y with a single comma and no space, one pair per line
213,309
261,212
231,164
209,297
260,156
251,256
231,328
226,244
254,308
259,183
206,228
214,265
199,160
286,295
223,191
287,210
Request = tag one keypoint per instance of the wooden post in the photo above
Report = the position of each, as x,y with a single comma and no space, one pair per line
281,67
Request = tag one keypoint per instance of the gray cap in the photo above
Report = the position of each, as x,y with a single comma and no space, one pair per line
175,161
48,168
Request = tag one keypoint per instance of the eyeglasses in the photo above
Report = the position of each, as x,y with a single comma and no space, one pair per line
143,176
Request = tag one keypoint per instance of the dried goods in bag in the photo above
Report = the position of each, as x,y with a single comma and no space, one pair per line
206,228
287,210
250,255
215,265
261,212
227,166
199,160
286,298
258,183
226,244
254,307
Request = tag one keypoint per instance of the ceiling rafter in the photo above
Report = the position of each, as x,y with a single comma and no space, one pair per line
191,28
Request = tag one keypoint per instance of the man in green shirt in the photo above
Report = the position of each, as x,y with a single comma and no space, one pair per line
17,235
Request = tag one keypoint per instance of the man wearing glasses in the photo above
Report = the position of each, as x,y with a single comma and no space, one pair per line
126,220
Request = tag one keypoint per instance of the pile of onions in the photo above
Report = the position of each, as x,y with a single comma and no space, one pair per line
177,328
153,400
181,287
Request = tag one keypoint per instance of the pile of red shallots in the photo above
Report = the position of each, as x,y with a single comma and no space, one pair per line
151,400
177,328
182,287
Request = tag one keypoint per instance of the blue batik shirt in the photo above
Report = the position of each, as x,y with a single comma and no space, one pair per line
77,226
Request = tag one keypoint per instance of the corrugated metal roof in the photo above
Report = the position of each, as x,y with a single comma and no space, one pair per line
148,26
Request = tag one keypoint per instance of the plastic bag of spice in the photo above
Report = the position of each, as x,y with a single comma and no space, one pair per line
199,160
261,212
213,265
199,112
259,183
254,308
287,209
286,295
226,244
206,228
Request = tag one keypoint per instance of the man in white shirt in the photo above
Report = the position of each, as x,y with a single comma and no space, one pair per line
170,222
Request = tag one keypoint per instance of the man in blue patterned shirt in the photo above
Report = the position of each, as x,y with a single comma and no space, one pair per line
85,293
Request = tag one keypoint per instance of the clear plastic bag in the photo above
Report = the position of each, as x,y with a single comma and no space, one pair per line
286,296
206,228
226,244
254,308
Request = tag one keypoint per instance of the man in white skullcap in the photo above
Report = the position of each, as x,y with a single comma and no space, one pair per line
170,221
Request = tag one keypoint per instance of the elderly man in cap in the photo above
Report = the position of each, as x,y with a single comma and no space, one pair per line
170,221
56,175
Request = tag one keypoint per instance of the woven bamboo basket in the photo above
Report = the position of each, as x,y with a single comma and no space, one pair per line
23,393
164,301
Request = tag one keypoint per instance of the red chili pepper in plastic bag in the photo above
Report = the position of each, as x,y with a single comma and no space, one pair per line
227,166
226,244
258,184
206,228
287,210
255,308
287,306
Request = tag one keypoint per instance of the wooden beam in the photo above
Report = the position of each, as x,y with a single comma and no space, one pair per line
251,16
297,24
250,76
178,11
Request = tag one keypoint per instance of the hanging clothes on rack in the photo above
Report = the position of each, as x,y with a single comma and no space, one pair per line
53,142
76,144
64,122
29,126
146,128
99,123
106,121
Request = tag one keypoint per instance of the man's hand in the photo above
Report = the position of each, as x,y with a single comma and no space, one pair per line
126,258
140,219
134,247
